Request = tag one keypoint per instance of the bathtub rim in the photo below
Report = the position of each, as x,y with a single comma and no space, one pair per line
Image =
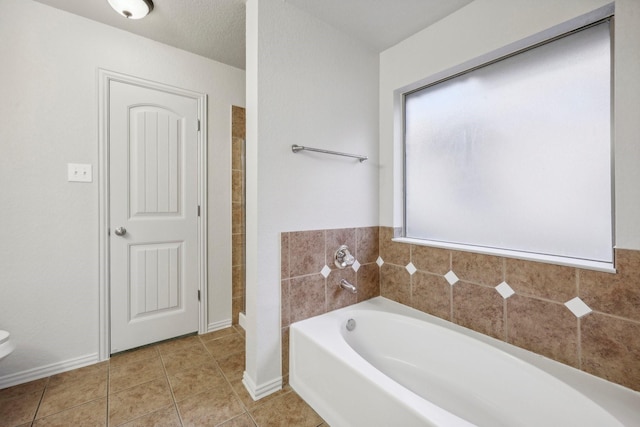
614,398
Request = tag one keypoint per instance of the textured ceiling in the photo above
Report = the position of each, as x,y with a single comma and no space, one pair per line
211,28
216,28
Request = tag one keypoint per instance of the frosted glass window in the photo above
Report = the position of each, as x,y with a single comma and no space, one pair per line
516,155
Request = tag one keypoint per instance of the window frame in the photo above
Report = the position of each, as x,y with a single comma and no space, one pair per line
565,29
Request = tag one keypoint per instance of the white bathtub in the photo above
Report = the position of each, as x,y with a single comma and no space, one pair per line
402,367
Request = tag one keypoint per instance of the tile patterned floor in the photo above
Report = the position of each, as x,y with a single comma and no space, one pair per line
191,381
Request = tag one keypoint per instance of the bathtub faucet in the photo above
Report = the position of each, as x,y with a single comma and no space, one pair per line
348,286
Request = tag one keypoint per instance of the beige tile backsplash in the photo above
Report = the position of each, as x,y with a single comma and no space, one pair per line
305,292
237,210
605,342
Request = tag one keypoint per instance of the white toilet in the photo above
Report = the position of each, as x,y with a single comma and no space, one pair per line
6,346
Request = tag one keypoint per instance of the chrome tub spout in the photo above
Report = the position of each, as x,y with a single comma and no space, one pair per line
344,284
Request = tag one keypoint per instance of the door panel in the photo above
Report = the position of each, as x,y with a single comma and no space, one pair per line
155,161
155,279
153,184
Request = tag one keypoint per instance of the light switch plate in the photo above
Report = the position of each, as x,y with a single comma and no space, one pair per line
77,172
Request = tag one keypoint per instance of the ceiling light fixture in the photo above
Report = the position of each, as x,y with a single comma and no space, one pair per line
132,9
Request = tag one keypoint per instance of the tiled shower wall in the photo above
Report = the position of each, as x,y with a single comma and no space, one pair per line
605,341
237,214
310,278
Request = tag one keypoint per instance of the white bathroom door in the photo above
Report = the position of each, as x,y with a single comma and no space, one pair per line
153,215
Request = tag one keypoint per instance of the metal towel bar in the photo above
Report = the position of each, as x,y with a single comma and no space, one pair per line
295,148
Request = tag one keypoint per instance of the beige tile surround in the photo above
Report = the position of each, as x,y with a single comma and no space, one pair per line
238,134
605,342
305,292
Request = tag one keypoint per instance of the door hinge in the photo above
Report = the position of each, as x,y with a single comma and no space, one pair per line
198,294
198,125
198,210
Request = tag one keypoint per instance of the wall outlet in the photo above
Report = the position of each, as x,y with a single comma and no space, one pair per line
79,172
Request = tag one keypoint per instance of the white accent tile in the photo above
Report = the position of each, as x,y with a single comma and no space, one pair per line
505,290
379,261
356,266
411,268
578,307
325,271
451,278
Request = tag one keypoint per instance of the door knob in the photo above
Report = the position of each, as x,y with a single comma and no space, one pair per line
120,231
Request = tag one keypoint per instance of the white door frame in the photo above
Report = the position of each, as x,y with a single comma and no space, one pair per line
105,77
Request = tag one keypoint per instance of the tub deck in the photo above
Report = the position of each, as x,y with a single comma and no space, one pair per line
384,374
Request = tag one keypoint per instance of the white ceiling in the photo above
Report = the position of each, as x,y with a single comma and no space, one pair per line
380,23
216,28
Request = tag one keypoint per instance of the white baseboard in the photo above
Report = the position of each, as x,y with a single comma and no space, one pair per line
216,326
47,371
242,320
258,392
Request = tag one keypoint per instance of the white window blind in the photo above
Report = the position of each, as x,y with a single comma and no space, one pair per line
516,155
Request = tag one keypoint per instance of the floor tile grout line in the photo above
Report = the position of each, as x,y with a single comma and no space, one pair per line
47,387
237,395
252,418
121,364
35,414
179,415
173,396
205,342
147,381
220,371
228,382
68,409
235,392
179,349
144,415
149,412
108,391
233,417
159,355
267,400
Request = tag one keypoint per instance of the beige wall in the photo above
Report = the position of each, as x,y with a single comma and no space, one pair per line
49,279
308,84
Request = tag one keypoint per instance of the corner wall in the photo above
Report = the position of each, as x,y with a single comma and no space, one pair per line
49,239
310,279
307,84
603,342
